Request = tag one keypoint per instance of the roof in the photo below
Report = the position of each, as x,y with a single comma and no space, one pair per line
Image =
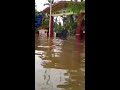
42,30
57,6
43,27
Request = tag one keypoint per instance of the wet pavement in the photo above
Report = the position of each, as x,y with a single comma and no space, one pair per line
59,64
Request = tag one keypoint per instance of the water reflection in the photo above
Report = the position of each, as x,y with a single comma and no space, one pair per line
59,64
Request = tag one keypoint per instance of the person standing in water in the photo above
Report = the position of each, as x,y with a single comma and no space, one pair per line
64,33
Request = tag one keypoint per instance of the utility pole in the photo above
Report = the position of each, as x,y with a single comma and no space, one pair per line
50,19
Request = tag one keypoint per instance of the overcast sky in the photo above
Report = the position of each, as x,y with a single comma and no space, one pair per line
40,4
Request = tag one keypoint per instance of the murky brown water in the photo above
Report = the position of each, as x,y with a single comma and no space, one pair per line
59,64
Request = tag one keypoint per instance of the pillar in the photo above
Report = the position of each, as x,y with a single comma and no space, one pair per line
78,31
81,31
51,28
79,27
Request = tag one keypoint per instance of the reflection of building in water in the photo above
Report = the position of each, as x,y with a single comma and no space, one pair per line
63,66
58,52
50,79
56,79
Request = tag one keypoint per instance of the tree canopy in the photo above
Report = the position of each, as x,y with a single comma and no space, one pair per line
76,7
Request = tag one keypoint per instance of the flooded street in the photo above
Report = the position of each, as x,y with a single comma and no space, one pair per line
59,64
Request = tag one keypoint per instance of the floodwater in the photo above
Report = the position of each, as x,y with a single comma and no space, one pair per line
59,64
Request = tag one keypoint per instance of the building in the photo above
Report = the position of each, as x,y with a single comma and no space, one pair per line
61,9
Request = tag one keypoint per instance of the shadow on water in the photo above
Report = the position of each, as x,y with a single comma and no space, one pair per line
59,64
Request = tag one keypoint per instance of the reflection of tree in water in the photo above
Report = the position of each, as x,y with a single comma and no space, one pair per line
46,83
73,62
70,59
53,54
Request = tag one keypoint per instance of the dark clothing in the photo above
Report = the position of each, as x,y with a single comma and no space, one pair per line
64,34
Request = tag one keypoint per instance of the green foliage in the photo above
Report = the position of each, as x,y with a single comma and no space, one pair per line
76,7
57,27
45,20
70,23
50,1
